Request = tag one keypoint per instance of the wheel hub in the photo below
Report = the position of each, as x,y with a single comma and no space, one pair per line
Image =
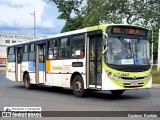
77,86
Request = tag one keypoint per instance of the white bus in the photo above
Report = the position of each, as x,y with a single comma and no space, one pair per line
106,57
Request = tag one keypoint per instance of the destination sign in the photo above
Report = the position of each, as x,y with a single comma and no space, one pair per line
131,31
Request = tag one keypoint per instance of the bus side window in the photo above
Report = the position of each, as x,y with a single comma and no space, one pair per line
50,54
11,54
25,53
32,52
77,46
41,53
52,49
82,52
64,48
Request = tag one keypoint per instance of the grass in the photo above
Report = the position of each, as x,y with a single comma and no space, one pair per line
155,74
2,69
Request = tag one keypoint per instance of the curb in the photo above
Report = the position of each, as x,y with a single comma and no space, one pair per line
155,85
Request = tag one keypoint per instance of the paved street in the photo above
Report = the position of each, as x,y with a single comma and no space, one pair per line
15,95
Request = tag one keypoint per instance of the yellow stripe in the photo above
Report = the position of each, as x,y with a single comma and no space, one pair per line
47,65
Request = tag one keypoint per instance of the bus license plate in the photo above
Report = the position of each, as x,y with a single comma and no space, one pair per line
134,83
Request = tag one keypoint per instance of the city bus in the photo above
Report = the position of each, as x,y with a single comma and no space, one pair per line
108,57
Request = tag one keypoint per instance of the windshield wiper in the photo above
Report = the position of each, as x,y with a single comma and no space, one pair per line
127,46
122,41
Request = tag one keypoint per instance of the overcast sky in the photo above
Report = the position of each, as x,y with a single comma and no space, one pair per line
15,17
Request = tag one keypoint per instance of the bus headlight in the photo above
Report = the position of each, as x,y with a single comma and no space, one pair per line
148,77
112,76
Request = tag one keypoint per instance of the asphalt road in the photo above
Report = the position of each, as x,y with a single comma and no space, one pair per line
15,95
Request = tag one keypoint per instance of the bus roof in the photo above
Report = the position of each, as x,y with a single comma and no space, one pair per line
26,41
67,33
103,27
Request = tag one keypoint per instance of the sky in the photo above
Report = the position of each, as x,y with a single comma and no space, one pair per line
16,16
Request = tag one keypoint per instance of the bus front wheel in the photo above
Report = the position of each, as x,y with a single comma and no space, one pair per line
26,80
117,92
78,86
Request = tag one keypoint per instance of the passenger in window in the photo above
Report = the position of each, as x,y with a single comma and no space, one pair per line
55,54
82,53
55,57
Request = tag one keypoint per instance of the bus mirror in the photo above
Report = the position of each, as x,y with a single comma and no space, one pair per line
105,43
105,34
105,50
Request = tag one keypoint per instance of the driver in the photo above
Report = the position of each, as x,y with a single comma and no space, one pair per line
122,53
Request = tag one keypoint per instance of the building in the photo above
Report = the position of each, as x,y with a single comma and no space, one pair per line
9,38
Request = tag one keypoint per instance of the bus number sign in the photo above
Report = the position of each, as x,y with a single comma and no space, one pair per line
124,74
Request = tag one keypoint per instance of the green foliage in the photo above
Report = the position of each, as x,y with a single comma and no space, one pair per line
140,12
155,43
93,12
73,24
155,75
155,40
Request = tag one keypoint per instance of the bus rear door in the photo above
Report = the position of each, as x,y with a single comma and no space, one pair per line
40,62
19,52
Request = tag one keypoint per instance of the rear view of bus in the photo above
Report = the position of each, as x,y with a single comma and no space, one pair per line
126,62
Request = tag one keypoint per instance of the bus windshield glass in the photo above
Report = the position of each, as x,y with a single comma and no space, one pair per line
127,51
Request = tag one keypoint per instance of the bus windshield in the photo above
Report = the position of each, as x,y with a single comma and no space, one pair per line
125,51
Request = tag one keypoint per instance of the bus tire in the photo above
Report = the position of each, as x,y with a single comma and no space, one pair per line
117,92
26,80
78,86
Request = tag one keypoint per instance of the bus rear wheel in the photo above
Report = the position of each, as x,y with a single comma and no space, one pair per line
117,92
26,80
78,86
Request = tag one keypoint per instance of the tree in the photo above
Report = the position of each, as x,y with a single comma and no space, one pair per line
73,24
155,41
144,13
67,8
93,12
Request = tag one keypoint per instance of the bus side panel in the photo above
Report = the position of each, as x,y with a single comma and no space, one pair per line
32,71
25,67
54,73
57,80
58,72
32,78
11,71
41,73
68,70
30,68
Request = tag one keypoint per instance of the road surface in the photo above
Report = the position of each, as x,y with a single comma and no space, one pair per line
15,95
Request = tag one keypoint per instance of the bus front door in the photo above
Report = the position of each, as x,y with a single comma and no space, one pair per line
19,52
40,63
94,61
